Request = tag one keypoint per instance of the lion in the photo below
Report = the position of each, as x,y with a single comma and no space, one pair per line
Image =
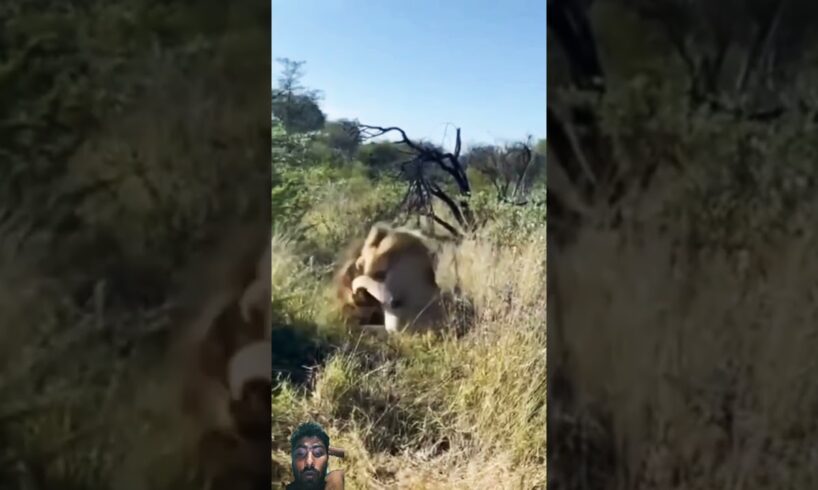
394,272
357,307
226,357
256,298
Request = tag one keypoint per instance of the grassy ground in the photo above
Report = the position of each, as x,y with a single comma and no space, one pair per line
120,117
689,375
684,350
417,412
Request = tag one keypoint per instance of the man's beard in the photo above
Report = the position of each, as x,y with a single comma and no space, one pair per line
317,482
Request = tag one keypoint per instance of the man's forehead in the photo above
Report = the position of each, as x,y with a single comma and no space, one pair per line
309,441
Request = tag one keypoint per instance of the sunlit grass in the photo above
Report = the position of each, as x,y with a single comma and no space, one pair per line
424,412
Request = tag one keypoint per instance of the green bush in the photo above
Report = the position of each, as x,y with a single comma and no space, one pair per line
343,207
509,223
729,183
117,200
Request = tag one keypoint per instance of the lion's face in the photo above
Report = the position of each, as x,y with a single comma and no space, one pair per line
397,269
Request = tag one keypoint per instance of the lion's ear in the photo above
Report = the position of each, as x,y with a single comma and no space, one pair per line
376,235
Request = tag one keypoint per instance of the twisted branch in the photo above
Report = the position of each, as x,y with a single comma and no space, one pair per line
421,185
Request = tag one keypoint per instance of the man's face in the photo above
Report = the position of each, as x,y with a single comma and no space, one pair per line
310,460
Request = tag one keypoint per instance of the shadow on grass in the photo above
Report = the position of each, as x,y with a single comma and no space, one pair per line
297,349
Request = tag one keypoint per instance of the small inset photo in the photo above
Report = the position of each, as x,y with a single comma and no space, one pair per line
310,452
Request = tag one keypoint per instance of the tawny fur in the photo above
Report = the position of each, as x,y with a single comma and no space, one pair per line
395,268
256,298
357,308
225,352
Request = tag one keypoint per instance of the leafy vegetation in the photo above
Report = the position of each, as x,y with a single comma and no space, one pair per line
127,149
408,410
117,120
681,190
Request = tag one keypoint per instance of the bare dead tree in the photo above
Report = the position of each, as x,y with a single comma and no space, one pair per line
581,170
580,167
743,50
763,37
423,171
583,173
585,178
506,168
702,34
568,20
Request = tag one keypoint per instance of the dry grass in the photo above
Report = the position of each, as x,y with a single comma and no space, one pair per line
440,413
86,399
693,374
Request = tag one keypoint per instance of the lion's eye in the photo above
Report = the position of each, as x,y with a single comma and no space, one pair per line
379,275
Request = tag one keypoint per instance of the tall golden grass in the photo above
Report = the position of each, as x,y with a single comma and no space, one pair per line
688,370
420,412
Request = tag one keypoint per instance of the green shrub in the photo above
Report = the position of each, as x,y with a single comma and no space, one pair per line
508,223
344,208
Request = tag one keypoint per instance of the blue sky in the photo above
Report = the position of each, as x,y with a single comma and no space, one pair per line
420,64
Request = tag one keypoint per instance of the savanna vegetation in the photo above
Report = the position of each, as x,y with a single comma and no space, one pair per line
682,184
411,412
131,135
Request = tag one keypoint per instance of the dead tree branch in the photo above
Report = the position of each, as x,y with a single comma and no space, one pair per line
423,186
507,168
568,20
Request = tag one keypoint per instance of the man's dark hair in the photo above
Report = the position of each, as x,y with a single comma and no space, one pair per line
308,429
